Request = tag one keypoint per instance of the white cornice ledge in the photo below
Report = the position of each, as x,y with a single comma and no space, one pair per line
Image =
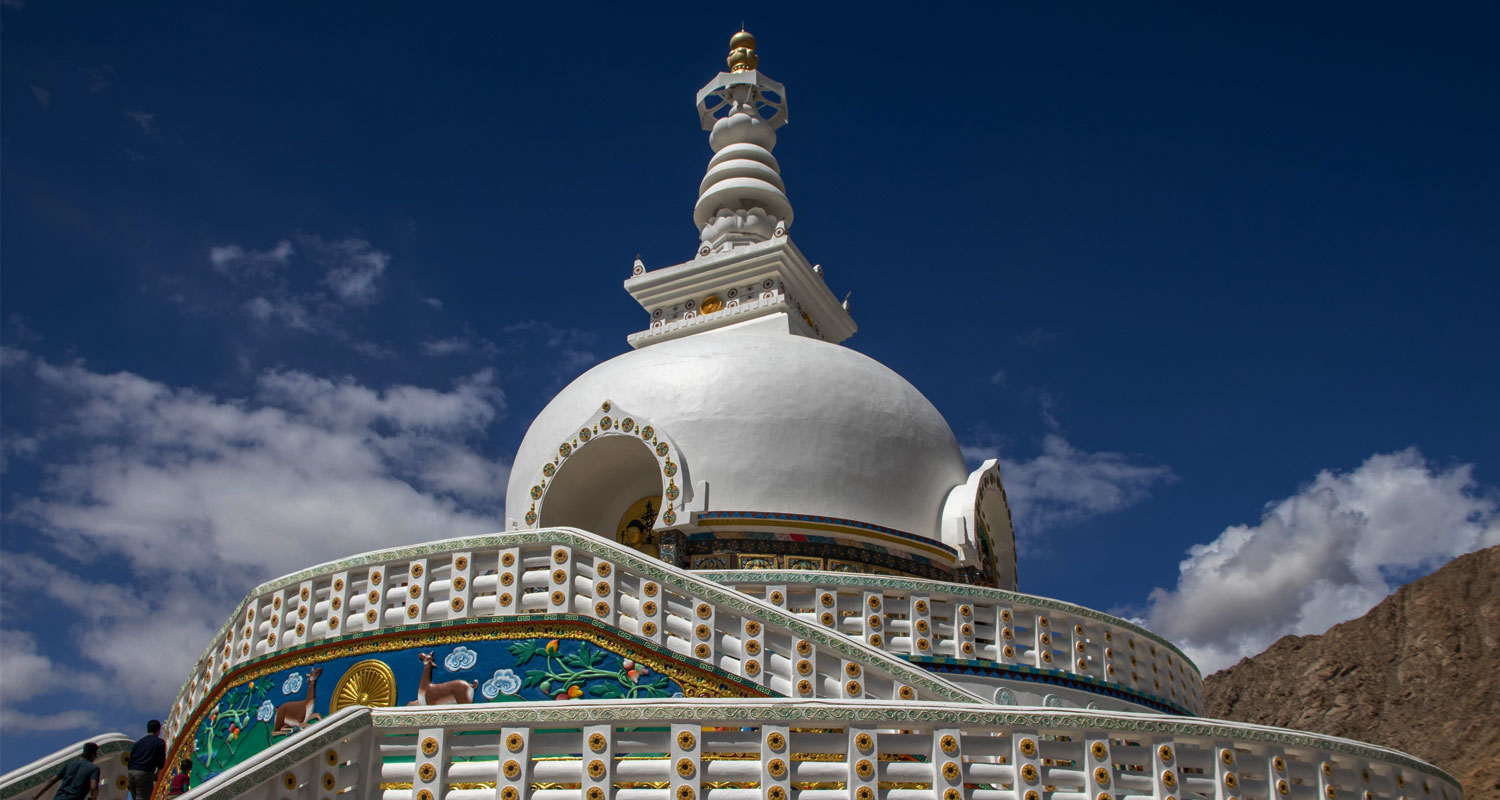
778,259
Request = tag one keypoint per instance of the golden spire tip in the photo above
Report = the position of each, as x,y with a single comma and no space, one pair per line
742,57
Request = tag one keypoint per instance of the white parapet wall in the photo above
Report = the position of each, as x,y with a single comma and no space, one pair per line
806,626
813,750
515,576
1015,637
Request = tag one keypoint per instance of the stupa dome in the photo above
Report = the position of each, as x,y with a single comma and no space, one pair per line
739,433
771,422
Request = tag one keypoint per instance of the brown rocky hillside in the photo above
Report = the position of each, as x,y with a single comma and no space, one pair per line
1419,673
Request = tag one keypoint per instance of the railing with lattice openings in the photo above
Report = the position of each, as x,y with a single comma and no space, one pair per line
923,618
852,750
557,571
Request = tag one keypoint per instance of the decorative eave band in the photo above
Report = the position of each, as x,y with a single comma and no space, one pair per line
1054,677
848,527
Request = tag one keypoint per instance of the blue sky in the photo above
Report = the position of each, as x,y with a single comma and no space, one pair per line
285,282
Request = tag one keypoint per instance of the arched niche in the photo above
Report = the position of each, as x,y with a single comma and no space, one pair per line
615,463
599,482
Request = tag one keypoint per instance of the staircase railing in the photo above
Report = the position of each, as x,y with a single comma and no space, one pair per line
338,756
114,752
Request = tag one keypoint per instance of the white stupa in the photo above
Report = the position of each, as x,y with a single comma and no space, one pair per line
742,562
771,425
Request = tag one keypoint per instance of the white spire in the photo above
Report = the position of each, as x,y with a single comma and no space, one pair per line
747,271
742,199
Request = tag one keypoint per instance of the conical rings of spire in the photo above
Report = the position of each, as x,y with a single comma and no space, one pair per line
742,199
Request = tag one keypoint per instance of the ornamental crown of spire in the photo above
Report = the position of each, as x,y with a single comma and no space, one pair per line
742,199
742,55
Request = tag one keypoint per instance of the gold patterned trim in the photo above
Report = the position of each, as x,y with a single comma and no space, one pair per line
694,681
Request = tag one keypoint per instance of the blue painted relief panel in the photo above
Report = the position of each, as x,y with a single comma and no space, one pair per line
254,714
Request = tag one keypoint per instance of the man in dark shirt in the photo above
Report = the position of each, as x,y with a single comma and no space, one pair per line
79,777
147,755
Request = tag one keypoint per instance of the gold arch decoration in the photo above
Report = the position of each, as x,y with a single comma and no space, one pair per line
368,683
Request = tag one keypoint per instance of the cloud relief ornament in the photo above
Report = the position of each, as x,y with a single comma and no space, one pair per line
460,659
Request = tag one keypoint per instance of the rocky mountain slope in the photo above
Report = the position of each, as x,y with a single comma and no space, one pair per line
1419,673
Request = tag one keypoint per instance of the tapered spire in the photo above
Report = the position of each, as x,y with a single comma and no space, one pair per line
746,270
742,199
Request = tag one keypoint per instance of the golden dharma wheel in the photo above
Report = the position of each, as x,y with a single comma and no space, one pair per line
368,683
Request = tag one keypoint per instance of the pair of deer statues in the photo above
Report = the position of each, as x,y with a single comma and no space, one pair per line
296,714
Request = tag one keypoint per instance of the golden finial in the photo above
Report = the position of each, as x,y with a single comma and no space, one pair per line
742,57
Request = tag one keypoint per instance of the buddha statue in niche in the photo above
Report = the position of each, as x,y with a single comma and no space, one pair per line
636,528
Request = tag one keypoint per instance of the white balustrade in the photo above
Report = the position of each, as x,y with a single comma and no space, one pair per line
923,619
566,571
788,749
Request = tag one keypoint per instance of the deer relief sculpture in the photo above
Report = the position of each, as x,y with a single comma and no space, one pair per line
441,694
296,714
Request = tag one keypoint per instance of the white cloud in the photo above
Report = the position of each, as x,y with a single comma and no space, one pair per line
446,347
1037,338
42,96
459,345
372,350
146,121
28,673
434,302
344,274
288,311
1065,485
210,495
163,625
553,336
1326,554
344,404
100,78
11,719
15,444
569,345
232,258
21,331
13,357
354,268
